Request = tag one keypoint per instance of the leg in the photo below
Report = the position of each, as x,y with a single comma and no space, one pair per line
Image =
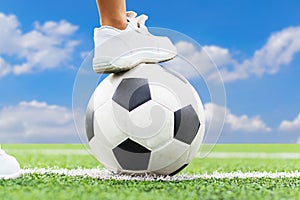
112,13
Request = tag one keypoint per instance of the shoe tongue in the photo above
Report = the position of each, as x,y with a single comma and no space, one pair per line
137,23
131,14
141,20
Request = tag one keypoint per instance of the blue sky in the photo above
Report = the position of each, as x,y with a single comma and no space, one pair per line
261,76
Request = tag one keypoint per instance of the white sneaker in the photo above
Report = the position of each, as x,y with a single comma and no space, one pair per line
9,166
120,50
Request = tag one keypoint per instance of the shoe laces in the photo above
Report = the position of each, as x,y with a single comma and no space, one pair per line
137,23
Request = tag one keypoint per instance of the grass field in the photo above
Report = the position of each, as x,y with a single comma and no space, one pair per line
229,172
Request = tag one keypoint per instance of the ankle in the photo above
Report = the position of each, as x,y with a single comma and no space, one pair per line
120,24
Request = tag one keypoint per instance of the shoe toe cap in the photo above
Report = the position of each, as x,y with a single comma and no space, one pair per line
9,166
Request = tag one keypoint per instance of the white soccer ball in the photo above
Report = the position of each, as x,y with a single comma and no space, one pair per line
147,120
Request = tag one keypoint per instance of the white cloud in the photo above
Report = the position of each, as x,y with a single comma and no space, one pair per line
293,125
278,52
53,28
9,34
298,141
275,54
219,55
36,122
194,61
4,67
235,123
48,45
244,123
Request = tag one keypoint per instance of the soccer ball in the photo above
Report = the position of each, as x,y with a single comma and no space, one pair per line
147,120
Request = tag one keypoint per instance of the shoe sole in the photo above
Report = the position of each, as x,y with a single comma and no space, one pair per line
107,66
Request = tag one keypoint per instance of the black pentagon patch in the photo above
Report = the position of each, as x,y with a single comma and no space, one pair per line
132,92
178,170
186,124
89,123
132,156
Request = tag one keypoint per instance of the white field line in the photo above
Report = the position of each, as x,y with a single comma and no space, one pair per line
50,151
254,155
106,175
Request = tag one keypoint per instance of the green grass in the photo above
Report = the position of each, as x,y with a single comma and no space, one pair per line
62,187
51,186
261,148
